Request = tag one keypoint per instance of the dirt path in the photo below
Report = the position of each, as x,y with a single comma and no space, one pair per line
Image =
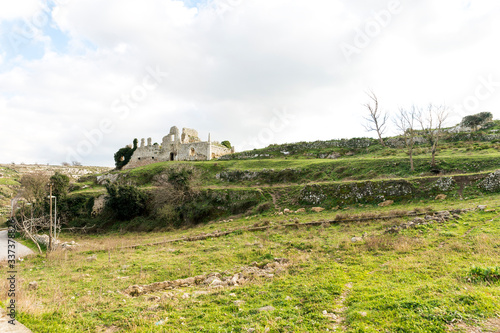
20,249
340,309
5,327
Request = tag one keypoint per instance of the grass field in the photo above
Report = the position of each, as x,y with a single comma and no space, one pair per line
419,280
434,277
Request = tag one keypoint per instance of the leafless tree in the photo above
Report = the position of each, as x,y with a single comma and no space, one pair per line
432,122
377,119
405,123
175,187
34,187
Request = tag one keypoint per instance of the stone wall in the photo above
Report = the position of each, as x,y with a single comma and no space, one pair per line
217,150
196,151
189,136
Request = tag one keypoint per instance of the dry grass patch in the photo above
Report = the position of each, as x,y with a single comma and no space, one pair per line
400,244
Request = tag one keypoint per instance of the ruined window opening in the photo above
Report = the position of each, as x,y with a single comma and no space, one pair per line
172,156
153,157
192,152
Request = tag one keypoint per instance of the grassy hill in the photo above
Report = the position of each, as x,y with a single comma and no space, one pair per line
441,276
10,175
290,238
339,173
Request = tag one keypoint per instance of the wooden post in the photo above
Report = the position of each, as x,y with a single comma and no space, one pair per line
50,228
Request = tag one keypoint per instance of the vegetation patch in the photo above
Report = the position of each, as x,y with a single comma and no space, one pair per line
478,274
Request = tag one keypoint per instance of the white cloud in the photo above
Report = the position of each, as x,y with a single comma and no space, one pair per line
11,10
231,64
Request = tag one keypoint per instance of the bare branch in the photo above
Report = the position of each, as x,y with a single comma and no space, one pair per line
376,121
405,123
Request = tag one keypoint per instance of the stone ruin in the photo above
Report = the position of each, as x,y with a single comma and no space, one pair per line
177,146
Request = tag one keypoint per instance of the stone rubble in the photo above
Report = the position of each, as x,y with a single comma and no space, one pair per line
386,203
44,240
439,217
214,280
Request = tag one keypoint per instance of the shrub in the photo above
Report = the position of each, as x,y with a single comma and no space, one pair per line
168,215
126,201
263,207
175,194
226,144
76,206
478,274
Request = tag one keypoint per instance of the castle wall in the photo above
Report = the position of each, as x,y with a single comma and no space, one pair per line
189,136
175,147
217,151
196,151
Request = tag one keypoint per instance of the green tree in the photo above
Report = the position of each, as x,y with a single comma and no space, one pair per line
123,155
226,144
60,184
476,120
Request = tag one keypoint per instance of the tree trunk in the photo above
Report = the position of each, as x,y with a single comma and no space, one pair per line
381,140
433,162
412,168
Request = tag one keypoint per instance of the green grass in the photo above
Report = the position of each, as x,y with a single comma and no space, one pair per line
424,279
414,281
299,171
8,181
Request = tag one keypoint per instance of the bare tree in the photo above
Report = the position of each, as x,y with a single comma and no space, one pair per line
34,187
432,126
405,123
377,119
176,186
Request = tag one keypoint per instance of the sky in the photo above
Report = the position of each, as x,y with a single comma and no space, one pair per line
81,79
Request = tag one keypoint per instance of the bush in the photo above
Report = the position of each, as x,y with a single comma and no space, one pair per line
175,194
263,207
168,215
226,144
126,201
478,274
76,206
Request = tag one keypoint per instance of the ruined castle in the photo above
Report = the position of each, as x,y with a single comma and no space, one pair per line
177,147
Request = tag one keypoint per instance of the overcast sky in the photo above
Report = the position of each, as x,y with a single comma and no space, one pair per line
80,79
